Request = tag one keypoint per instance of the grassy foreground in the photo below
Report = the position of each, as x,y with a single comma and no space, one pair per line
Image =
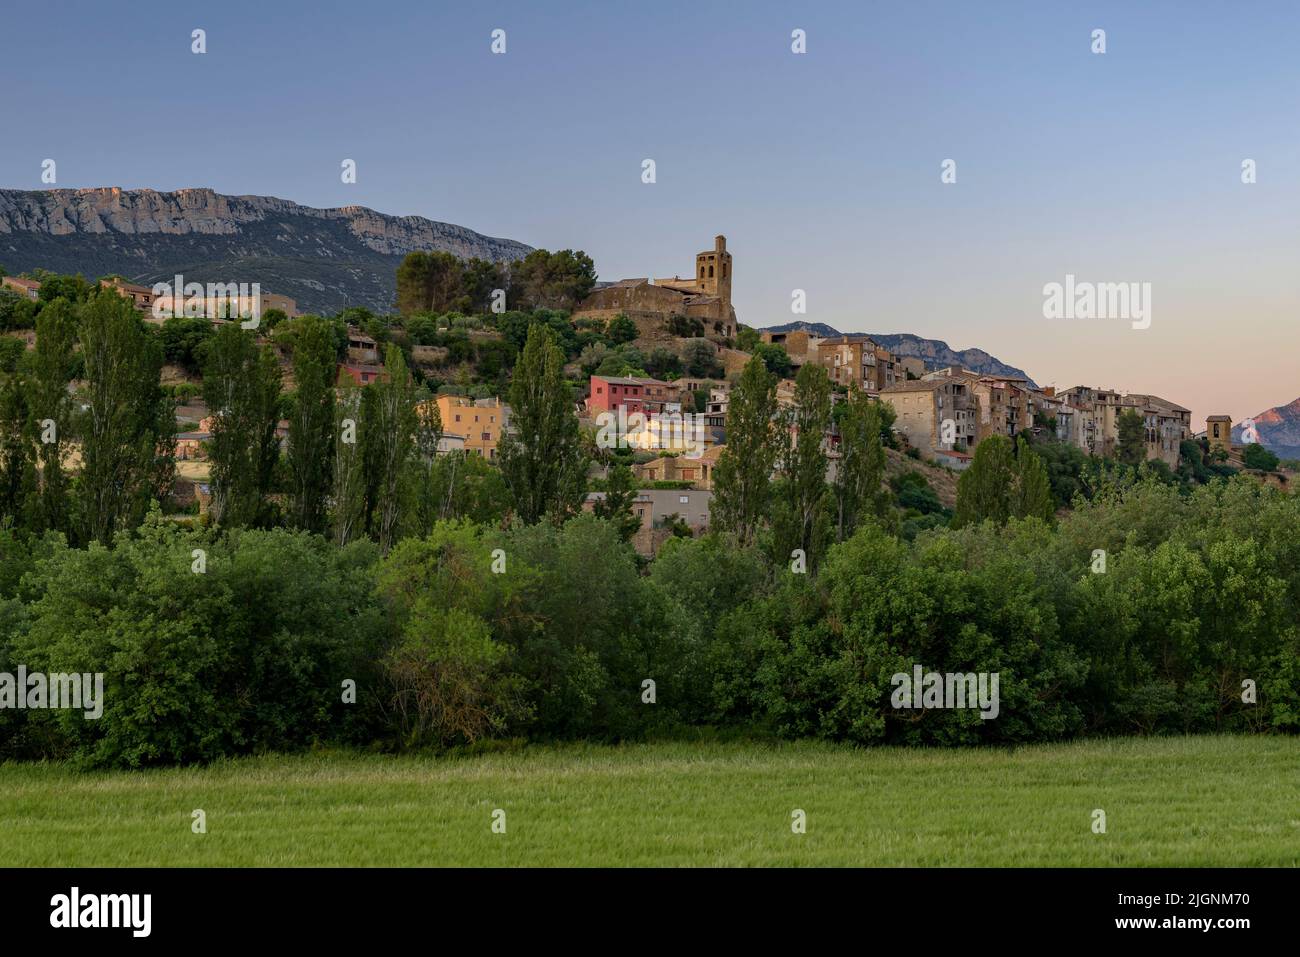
1209,801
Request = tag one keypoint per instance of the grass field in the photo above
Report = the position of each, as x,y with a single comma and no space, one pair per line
1207,801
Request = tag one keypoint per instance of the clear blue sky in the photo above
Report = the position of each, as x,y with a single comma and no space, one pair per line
821,169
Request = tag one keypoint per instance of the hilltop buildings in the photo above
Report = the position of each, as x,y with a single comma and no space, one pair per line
946,413
703,296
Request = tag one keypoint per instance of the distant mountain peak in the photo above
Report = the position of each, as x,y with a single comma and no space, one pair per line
1278,428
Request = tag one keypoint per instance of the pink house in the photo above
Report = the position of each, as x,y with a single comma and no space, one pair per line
607,393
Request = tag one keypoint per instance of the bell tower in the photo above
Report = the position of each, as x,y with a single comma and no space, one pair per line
713,272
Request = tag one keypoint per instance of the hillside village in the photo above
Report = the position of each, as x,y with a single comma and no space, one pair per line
657,352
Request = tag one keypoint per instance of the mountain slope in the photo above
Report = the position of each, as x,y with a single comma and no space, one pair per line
936,353
326,259
1278,428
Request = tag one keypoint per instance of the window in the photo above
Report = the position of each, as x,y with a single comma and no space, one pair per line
710,272
683,500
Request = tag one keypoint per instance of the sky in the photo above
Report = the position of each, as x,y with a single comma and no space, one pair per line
823,169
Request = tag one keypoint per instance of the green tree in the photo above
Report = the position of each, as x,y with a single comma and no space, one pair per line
616,503
547,280
428,282
184,339
17,463
621,329
804,465
986,489
391,430
480,280
1131,449
1033,490
775,358
127,425
311,427
241,385
541,454
701,360
52,369
861,469
743,474
1255,456
349,493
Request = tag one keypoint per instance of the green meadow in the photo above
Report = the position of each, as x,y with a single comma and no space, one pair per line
1197,801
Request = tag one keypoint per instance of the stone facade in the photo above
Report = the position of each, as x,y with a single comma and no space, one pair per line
936,415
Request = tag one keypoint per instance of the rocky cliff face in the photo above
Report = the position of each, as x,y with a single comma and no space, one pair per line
1278,428
326,259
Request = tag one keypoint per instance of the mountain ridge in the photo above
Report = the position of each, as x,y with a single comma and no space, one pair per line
325,258
1278,428
935,352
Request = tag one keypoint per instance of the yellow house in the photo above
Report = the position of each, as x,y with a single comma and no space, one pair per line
480,422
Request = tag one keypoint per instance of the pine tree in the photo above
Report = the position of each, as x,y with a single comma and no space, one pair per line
742,477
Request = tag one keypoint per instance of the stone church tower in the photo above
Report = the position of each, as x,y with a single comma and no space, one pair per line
713,272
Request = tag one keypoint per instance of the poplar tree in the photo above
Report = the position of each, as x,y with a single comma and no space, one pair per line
17,463
391,423
311,429
858,492
241,385
127,425
349,491
804,464
742,477
51,409
541,453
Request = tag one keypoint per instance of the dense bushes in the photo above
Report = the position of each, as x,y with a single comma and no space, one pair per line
248,655
1142,611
